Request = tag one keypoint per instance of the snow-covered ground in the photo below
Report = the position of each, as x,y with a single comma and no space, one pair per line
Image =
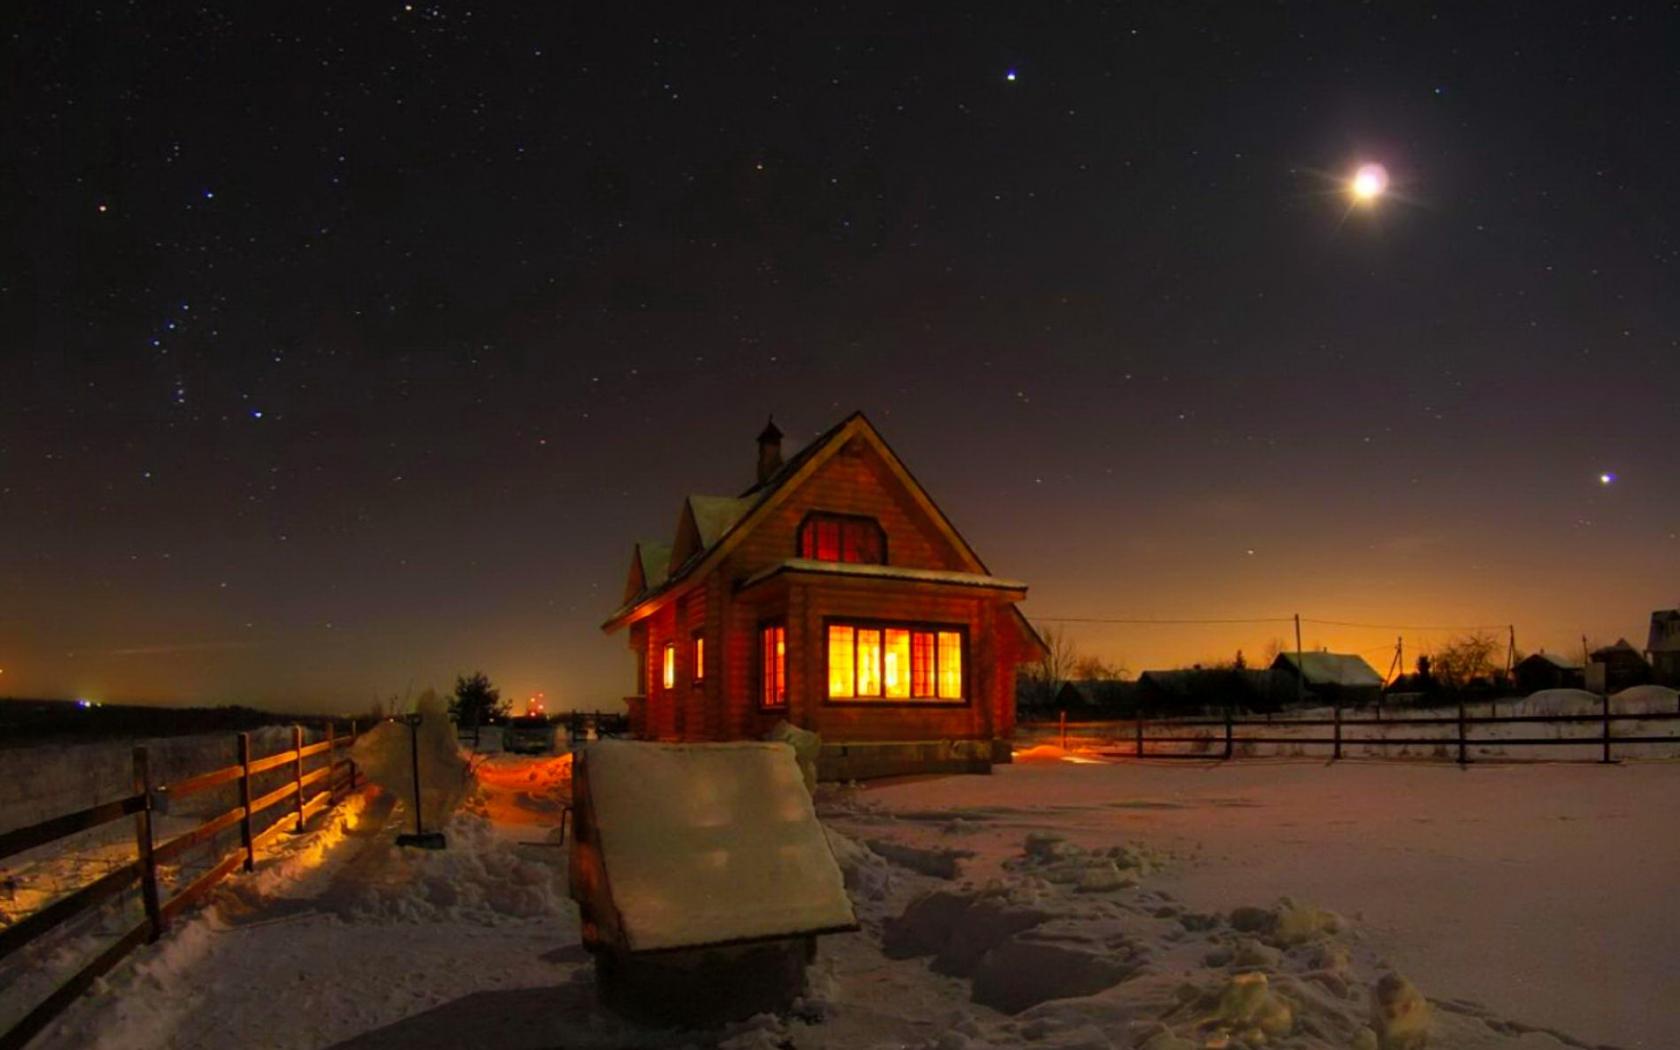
1147,895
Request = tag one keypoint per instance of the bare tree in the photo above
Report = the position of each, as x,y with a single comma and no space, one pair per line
1463,659
1042,680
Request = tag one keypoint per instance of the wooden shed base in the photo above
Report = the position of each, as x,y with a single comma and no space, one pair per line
701,987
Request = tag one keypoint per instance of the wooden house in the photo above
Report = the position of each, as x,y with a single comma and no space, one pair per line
1543,670
1662,646
833,594
1612,668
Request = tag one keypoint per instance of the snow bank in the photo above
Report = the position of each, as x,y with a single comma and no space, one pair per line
387,755
1646,700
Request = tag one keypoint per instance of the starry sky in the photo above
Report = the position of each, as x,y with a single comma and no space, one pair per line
348,347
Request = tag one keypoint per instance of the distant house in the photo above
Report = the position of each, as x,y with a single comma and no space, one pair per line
1617,667
1092,696
1662,647
834,594
1331,678
1543,670
1205,690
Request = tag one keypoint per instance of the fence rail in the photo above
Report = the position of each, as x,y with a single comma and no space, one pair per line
148,798
1231,734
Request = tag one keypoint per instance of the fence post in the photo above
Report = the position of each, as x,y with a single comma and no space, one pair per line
1604,708
245,837
1227,733
1140,736
143,843
1336,748
297,774
1463,753
332,764
1064,729
352,755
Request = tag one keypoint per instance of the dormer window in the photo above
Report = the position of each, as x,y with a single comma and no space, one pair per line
842,537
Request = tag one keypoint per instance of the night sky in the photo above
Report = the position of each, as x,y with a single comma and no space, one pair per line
348,348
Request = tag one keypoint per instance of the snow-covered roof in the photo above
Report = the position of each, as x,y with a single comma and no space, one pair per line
1344,669
656,561
710,843
884,572
1562,663
714,516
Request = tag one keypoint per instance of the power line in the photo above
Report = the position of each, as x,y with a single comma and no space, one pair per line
1098,619
1410,627
1273,619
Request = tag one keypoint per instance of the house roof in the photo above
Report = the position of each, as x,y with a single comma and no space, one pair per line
1664,638
1343,669
1621,646
655,559
883,572
720,522
1560,662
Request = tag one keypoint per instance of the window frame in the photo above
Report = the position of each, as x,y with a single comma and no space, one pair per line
779,622
883,625
843,518
697,653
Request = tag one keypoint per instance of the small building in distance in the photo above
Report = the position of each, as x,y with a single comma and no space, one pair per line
1617,667
1213,690
1092,697
1662,647
1339,679
834,594
1543,670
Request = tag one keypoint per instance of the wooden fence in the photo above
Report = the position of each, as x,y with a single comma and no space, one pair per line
337,775
1228,732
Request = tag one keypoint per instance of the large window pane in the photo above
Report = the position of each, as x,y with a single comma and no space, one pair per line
950,666
869,663
895,664
840,677
668,665
921,665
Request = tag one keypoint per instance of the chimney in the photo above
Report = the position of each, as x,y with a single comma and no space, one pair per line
769,451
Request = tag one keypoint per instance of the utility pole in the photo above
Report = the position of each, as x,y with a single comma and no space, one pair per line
1301,667
1511,652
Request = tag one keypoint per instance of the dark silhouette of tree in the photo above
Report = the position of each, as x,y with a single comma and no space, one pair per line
476,701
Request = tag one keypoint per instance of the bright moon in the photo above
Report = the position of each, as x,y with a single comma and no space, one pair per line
1369,182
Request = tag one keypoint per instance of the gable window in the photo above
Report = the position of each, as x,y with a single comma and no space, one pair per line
699,657
772,661
868,661
668,665
842,537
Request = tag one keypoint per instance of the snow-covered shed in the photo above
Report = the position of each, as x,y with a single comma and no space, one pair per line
1338,678
832,593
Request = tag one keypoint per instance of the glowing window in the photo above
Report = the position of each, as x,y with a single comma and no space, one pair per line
668,672
840,537
950,666
894,663
869,663
699,657
772,644
840,663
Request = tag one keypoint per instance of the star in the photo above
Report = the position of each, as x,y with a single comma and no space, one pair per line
1009,75
1607,478
1368,183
